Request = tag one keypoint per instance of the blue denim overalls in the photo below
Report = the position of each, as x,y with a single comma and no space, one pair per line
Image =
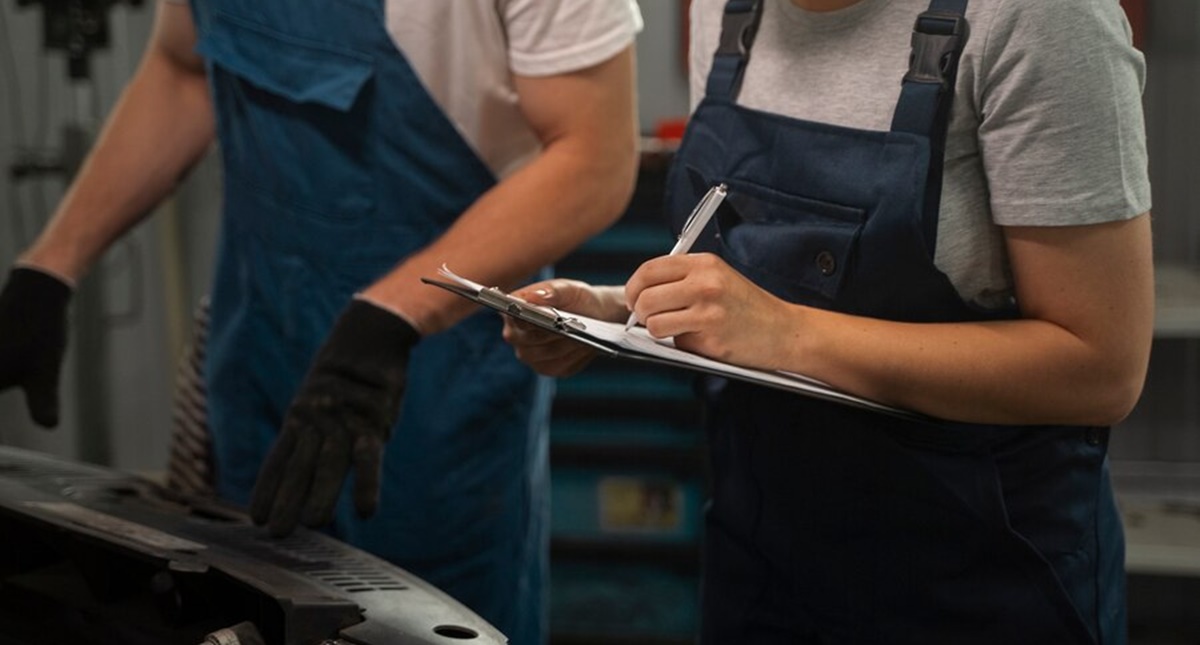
337,165
831,524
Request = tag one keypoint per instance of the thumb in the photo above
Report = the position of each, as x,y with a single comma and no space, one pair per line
41,396
568,294
540,293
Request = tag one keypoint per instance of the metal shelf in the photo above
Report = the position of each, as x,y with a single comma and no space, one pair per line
1177,310
1162,538
1160,509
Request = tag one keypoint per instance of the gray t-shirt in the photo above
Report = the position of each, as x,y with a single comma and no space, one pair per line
1047,128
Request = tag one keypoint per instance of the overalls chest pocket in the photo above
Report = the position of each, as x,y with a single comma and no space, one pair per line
301,132
799,249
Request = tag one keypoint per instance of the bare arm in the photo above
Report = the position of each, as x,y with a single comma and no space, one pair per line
160,127
578,186
1078,356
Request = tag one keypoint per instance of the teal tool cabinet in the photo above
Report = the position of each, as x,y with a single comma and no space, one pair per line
628,469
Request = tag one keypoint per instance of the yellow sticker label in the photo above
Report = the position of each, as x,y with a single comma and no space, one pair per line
639,504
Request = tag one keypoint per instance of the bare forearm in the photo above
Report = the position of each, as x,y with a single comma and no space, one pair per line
529,221
161,126
1012,372
1079,355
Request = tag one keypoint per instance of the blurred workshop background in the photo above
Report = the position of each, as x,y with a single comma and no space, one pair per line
628,460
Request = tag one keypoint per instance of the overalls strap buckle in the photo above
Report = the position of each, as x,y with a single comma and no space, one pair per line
937,41
738,25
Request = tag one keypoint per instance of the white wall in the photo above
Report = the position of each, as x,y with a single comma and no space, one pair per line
133,384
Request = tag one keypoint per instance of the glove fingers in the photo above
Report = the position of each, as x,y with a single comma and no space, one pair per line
368,462
270,475
41,396
295,485
331,468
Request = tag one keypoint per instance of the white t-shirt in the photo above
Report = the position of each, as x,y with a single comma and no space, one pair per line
1047,128
467,51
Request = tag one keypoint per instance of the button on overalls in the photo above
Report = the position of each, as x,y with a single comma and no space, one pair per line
831,524
337,165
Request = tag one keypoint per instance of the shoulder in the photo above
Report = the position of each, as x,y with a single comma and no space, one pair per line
1057,88
560,36
1055,31
1066,52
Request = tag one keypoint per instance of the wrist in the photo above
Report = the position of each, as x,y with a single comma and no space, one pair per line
813,344
370,332
35,287
612,303
60,260
61,278
391,309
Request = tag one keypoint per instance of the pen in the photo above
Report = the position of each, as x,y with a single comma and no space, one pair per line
692,227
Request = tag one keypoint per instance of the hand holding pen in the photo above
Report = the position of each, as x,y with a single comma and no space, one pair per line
692,227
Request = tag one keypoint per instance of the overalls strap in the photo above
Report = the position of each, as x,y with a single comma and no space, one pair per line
738,28
939,37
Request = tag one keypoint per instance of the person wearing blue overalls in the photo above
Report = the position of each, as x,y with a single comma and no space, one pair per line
364,144
941,206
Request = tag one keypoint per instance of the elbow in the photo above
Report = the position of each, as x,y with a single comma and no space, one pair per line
620,179
1116,398
601,175
1112,377
611,189
1116,407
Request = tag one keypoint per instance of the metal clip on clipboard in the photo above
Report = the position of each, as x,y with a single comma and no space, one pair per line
491,297
541,316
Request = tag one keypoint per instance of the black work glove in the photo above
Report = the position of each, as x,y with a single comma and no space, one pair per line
341,417
33,339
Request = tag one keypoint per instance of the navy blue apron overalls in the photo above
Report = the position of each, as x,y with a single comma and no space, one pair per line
337,165
832,524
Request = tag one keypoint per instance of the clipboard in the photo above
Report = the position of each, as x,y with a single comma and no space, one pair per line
613,340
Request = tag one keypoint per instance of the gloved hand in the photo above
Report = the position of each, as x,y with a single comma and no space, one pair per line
340,418
33,339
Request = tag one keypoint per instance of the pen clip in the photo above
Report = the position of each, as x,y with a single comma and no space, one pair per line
716,192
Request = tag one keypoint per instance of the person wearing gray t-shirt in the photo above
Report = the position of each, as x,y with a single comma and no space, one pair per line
952,219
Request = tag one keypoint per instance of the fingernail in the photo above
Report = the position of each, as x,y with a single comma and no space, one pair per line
544,294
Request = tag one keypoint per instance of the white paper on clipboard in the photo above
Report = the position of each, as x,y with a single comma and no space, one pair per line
636,343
